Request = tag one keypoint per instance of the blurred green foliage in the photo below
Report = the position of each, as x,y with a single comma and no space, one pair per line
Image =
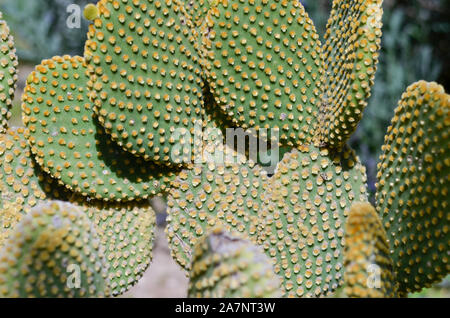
40,28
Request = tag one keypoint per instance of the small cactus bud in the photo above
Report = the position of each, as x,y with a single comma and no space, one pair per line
91,12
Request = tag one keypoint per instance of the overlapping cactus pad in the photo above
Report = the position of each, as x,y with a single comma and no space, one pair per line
70,144
145,73
125,230
8,73
413,186
225,264
54,251
304,214
22,187
350,55
223,187
144,112
369,271
262,62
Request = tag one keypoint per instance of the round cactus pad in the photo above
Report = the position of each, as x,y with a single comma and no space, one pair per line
125,230
304,213
226,265
53,252
350,55
145,73
8,74
22,186
369,271
262,62
223,189
70,144
413,186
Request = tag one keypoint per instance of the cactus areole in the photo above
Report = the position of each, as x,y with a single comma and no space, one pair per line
145,112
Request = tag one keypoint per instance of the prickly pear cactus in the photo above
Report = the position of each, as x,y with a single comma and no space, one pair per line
413,184
197,10
160,82
8,73
303,217
53,252
224,186
262,62
227,265
350,56
125,230
91,12
70,144
21,186
145,74
127,233
369,270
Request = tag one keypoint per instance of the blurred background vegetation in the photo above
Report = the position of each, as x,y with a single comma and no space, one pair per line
40,30
415,45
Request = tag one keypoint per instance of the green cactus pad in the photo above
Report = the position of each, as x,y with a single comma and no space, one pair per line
145,75
70,144
218,125
304,212
8,74
262,62
413,186
53,252
369,271
225,191
197,10
21,187
350,55
126,230
228,265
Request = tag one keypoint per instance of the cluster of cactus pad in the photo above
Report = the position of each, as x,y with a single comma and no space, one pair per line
142,114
